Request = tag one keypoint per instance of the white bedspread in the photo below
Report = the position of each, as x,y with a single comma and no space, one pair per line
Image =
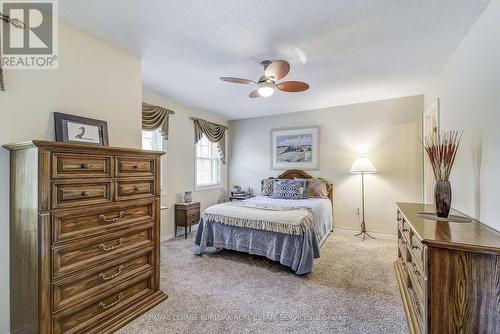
322,211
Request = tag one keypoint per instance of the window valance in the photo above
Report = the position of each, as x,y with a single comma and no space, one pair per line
155,117
216,133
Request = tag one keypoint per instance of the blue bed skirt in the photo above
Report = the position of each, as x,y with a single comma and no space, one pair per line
294,251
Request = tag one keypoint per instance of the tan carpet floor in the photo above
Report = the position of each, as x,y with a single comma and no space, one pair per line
352,289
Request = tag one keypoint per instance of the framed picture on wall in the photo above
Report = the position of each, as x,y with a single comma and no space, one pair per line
80,130
295,148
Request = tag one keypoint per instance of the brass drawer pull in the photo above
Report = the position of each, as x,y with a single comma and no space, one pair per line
137,166
111,220
84,166
106,278
104,306
103,246
136,188
85,193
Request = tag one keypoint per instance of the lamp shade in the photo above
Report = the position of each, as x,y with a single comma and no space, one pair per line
362,165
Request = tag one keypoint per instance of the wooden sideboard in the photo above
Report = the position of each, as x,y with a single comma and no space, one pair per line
448,273
84,237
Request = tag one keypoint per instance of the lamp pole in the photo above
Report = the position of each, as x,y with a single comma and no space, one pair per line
363,224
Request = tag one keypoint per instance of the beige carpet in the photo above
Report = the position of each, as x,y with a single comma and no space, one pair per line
352,290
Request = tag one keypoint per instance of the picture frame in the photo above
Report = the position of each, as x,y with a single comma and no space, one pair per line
295,148
80,130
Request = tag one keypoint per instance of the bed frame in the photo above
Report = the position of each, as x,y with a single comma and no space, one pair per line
297,173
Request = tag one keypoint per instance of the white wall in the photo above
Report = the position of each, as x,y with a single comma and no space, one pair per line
180,156
94,79
469,92
385,131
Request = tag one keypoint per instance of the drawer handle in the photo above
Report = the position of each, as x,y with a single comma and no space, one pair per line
405,230
414,247
137,166
136,188
104,306
104,248
85,193
111,220
84,166
107,278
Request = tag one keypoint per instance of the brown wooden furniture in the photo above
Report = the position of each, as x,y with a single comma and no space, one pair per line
187,215
448,273
239,197
84,237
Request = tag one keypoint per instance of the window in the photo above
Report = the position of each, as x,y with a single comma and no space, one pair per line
153,140
208,165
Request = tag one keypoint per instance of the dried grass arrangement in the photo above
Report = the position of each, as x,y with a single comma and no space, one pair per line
442,150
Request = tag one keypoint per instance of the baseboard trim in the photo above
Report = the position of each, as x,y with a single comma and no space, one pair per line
172,235
375,234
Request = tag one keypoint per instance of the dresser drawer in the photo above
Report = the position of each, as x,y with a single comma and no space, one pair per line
417,252
417,307
90,283
80,255
74,193
85,315
417,279
134,166
76,224
66,165
133,189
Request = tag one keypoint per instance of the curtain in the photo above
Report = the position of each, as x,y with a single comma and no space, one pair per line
154,117
216,133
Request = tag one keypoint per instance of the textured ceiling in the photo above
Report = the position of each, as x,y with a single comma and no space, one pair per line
348,51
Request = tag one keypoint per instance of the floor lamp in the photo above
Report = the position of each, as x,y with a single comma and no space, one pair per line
363,166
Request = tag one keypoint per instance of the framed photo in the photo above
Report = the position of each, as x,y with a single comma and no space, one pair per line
80,130
295,148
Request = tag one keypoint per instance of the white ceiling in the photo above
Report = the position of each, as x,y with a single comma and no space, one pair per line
348,51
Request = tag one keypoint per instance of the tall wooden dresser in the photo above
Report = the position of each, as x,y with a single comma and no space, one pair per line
84,237
448,273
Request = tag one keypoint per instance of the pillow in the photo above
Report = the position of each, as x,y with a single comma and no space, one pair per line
316,188
289,189
267,187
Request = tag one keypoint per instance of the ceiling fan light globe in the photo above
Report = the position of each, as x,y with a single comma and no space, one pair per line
266,89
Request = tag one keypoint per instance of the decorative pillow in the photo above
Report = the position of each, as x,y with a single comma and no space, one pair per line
267,187
316,188
289,189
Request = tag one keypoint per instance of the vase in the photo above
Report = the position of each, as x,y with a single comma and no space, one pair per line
188,196
442,198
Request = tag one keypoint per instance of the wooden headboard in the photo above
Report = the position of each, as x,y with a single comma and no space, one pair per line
297,173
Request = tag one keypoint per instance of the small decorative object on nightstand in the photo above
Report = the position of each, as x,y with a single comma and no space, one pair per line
187,215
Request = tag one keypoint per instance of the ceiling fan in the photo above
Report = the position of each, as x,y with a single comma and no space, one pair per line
267,84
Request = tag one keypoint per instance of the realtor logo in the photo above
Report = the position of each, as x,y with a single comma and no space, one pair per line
30,41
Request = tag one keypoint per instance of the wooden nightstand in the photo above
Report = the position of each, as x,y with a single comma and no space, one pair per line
187,215
239,198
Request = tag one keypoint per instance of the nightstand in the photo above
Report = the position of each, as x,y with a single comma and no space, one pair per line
239,198
187,215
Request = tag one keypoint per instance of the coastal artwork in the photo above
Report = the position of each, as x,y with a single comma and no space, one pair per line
295,148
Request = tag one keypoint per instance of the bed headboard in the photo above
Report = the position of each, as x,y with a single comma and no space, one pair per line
297,173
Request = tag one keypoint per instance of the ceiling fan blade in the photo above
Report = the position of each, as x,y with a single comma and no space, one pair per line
253,94
277,70
292,86
237,80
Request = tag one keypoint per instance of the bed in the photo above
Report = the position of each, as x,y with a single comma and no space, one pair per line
296,250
